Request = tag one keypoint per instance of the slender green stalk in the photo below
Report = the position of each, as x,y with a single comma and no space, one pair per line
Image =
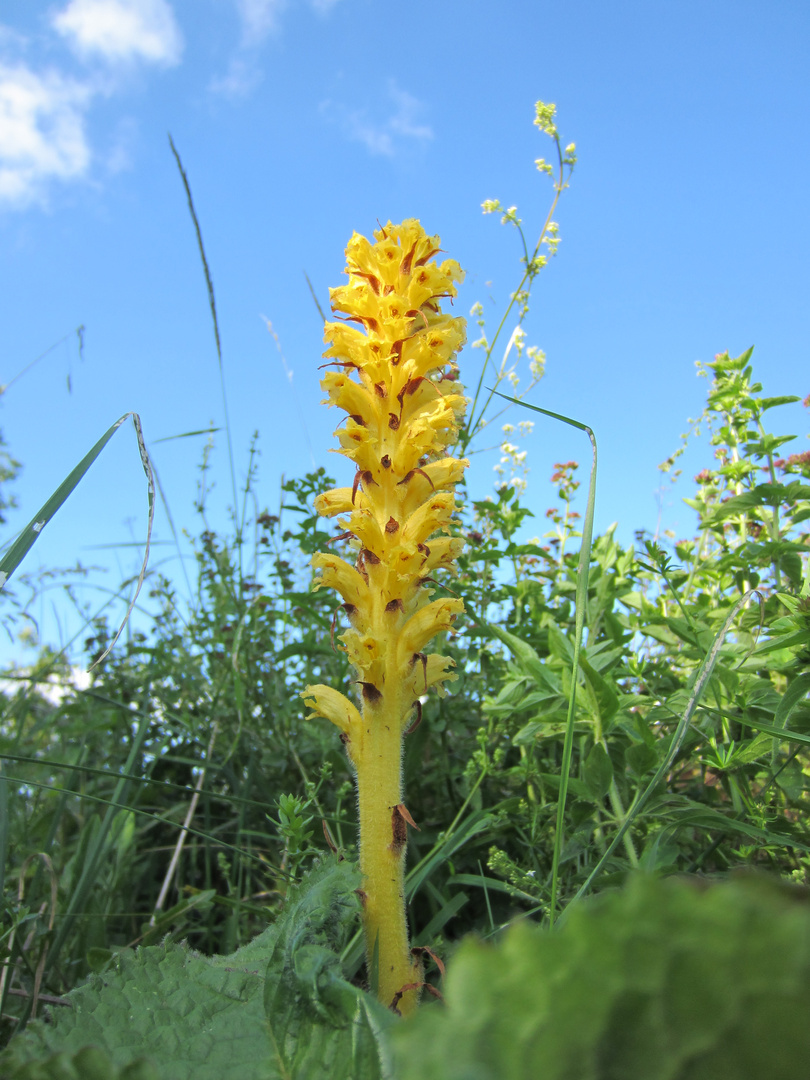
212,304
533,263
579,625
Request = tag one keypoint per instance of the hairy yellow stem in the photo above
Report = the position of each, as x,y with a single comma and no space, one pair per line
383,841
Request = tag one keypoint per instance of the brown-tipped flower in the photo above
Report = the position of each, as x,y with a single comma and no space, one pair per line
395,378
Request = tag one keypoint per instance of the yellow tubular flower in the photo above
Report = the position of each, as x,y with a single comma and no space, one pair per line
396,380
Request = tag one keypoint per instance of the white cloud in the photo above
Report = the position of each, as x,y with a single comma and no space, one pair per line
403,121
259,18
120,154
120,30
43,113
383,137
12,39
42,132
242,78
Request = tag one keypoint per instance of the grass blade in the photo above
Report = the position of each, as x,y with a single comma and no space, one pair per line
30,534
213,306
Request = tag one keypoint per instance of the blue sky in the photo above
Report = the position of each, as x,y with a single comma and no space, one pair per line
684,232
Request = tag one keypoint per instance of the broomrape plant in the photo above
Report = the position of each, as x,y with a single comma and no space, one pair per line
404,409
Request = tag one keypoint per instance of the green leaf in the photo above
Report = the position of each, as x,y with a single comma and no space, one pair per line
277,1008
704,817
761,495
177,914
546,727
476,823
575,786
641,758
98,958
699,684
606,697
791,780
666,980
525,657
786,641
190,1018
444,915
770,402
791,565
751,750
513,699
782,734
90,1063
598,772
795,693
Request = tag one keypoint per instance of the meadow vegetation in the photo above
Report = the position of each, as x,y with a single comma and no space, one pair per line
621,715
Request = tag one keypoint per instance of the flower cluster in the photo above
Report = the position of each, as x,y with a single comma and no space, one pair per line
396,379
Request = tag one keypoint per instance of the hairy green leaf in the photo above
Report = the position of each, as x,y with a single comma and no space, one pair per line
277,1008
667,980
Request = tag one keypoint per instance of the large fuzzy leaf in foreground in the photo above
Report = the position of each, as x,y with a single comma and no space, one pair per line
88,1064
277,1008
667,980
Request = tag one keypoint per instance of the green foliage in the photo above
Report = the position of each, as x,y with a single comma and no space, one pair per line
189,741
278,1007
675,979
662,980
9,469
730,795
87,1064
176,793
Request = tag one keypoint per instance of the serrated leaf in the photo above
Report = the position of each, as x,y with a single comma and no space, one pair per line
750,750
761,495
319,1024
277,1008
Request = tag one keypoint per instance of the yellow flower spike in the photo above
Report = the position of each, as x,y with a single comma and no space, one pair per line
395,377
